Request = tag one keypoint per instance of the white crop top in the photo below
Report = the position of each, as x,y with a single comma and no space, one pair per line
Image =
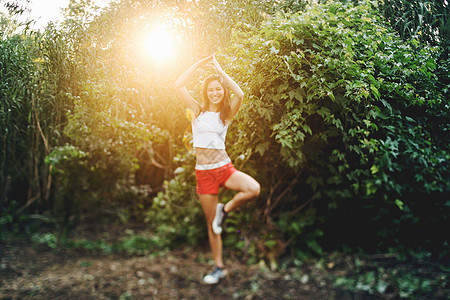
208,131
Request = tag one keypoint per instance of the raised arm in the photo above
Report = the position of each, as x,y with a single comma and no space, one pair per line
236,101
180,83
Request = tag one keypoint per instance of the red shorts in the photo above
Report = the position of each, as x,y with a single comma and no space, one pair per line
209,181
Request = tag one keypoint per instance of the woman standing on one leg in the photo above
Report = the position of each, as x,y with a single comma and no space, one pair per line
213,167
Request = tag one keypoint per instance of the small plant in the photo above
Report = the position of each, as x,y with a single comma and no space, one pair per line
131,244
48,239
389,275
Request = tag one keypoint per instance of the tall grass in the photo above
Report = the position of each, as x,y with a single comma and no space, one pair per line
36,74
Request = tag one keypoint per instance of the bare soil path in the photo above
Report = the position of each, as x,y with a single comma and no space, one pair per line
34,271
30,272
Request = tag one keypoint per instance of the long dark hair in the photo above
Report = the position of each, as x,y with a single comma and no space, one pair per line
225,109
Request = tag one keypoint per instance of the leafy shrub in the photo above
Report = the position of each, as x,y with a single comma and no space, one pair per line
175,214
348,121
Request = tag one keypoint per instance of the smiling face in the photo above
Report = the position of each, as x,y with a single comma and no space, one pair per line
215,93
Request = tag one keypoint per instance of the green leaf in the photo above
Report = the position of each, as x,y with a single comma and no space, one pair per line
399,204
375,92
262,147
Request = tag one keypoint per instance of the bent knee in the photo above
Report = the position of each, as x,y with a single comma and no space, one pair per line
255,189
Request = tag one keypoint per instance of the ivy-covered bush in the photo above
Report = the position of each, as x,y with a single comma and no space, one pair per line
347,127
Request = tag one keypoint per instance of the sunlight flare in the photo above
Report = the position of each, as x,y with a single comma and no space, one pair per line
159,43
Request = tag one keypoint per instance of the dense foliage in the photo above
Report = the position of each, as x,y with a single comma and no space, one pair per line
338,105
345,124
426,20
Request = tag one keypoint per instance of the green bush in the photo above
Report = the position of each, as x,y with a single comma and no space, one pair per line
176,215
350,124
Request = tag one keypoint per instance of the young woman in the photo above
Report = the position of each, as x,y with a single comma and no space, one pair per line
213,167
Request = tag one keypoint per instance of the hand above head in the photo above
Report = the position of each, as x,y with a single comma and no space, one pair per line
216,64
203,62
190,102
181,81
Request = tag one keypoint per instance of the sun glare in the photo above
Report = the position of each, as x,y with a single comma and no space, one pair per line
159,43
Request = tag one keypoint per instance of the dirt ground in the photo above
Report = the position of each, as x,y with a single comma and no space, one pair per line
39,273
29,271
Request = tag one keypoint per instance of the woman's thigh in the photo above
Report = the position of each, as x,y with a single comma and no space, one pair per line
239,181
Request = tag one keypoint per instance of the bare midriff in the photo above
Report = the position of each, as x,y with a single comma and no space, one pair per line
210,156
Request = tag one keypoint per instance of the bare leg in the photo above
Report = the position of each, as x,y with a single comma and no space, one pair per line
247,187
209,203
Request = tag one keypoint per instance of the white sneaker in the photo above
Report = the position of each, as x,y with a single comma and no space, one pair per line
218,219
214,277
